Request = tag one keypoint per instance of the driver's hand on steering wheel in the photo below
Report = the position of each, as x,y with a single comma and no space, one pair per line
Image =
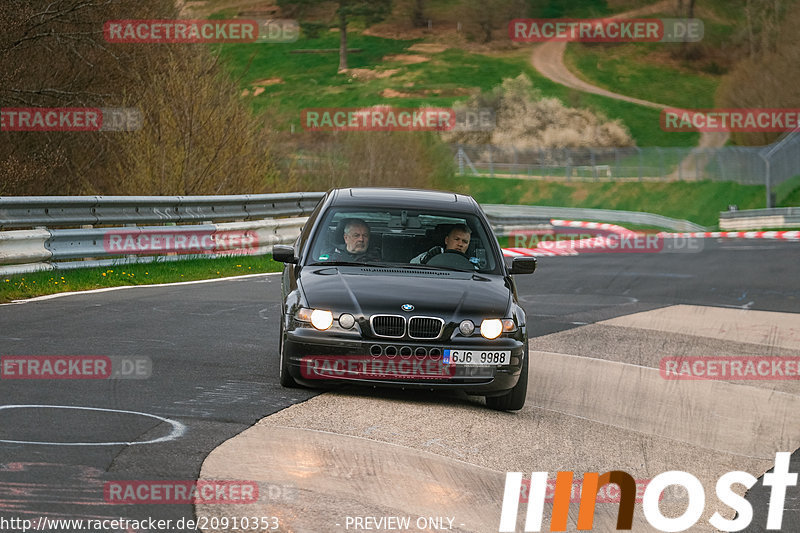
433,252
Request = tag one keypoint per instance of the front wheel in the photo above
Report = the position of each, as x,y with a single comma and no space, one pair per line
514,399
286,379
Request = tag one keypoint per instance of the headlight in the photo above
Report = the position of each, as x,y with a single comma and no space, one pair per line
491,328
319,318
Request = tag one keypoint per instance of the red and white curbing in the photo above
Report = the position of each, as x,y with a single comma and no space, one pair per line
780,235
535,252
561,248
551,248
611,228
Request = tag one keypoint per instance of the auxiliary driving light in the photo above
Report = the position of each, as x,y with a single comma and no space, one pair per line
346,320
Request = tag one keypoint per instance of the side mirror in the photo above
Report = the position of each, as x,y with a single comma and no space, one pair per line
283,253
523,265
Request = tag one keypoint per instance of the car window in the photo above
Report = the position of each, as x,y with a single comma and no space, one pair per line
398,236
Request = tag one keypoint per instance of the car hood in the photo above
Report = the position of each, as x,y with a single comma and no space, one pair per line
369,290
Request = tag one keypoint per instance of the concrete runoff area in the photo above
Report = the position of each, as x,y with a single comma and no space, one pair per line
377,453
781,330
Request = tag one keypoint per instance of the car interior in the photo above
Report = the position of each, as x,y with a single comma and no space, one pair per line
399,241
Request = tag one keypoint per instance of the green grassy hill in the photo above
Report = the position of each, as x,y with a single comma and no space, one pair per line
389,74
289,82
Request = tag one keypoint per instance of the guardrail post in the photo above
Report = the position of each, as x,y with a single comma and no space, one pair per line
697,166
767,180
516,160
640,163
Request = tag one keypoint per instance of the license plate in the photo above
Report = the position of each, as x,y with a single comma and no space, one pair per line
477,357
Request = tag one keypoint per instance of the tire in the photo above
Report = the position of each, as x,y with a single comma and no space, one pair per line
514,399
285,378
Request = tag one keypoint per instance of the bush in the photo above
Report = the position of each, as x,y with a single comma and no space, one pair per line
197,136
312,30
525,120
373,159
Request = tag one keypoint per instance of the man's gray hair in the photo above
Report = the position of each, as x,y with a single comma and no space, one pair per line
350,222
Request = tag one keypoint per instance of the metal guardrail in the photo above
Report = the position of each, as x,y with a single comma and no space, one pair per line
37,249
750,219
775,211
60,211
508,215
23,251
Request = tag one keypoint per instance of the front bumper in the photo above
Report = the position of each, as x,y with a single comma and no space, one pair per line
313,356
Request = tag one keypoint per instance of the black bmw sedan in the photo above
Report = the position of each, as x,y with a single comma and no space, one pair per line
403,288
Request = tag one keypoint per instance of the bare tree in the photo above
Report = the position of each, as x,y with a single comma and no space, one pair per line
486,16
369,11
767,79
197,135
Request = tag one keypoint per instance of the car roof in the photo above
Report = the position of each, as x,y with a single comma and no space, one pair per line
397,197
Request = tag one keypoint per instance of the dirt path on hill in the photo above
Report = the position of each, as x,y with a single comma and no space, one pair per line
548,59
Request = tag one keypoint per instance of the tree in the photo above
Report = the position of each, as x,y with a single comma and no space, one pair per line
368,11
767,79
197,136
486,16
418,18
524,119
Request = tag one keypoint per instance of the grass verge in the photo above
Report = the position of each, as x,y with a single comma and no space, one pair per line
699,202
19,286
787,194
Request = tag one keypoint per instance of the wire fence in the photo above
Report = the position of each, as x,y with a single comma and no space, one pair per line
768,165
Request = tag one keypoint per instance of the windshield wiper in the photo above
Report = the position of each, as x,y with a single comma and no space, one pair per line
428,267
352,263
339,263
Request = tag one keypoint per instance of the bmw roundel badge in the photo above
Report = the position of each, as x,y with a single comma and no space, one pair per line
407,307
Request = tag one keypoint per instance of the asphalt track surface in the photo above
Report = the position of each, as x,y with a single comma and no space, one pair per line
214,377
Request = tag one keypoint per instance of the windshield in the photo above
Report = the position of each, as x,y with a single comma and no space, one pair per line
406,238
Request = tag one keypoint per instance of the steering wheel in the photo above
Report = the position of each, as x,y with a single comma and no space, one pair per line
452,259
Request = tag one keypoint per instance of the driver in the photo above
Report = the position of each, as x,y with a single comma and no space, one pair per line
356,241
457,240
